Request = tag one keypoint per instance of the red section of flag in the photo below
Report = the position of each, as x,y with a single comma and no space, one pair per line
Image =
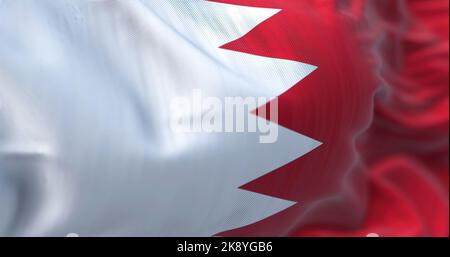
379,104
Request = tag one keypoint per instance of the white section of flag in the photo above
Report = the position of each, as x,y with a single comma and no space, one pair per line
97,77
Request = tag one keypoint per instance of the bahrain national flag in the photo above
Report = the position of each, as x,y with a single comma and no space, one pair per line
345,105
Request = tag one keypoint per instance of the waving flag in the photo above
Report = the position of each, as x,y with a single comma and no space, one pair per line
230,117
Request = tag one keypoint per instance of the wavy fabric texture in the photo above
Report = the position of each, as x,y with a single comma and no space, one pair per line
87,144
397,184
405,148
363,139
